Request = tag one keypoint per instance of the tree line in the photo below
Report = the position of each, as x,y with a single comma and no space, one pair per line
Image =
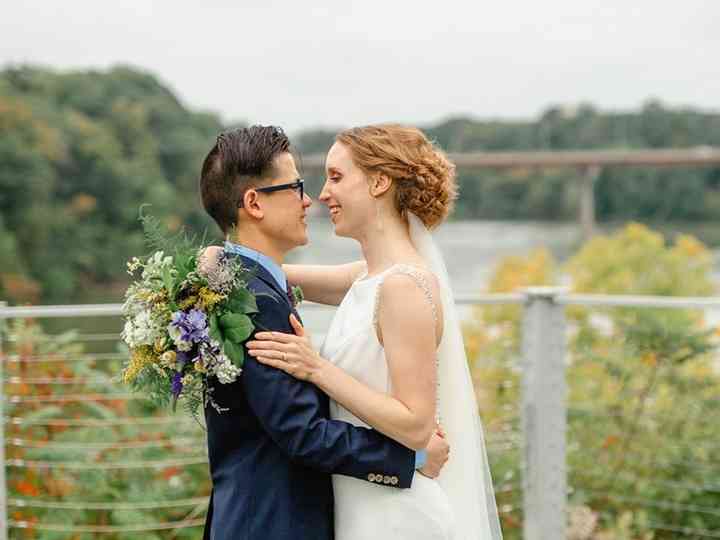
80,151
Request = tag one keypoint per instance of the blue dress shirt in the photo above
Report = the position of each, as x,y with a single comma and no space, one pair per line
263,260
278,274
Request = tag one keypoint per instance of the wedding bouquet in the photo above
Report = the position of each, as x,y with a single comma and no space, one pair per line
185,322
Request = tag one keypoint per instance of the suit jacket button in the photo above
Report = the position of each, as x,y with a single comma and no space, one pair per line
394,480
386,479
371,477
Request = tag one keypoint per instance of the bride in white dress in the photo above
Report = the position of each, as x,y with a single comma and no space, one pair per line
393,358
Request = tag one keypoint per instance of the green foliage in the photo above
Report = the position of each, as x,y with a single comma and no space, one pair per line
75,449
182,245
643,386
80,151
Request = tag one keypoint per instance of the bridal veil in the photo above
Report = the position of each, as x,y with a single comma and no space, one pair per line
466,476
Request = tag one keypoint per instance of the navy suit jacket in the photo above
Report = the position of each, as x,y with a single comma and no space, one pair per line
272,453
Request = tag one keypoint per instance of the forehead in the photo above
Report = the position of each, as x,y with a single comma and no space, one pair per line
285,168
338,157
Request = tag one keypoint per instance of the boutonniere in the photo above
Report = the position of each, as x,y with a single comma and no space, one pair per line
297,295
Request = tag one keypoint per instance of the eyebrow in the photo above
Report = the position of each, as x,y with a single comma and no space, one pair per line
334,170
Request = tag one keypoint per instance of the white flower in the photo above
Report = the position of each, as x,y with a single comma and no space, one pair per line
176,336
225,370
141,329
183,345
127,334
155,265
133,265
174,332
133,303
168,359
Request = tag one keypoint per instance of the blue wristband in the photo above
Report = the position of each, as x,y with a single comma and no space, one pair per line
420,459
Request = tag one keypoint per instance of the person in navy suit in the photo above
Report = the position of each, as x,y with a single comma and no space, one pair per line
271,444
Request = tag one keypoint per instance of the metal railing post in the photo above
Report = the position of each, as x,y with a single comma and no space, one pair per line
3,481
544,415
587,201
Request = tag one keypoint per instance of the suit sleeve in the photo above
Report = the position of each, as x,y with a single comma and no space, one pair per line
294,414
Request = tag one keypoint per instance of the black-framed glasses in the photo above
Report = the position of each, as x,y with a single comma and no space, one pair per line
298,185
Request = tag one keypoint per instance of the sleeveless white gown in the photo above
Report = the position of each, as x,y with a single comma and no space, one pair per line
365,510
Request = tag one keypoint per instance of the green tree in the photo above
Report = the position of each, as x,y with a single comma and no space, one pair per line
643,386
80,152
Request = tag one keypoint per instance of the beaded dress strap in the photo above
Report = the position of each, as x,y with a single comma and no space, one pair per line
417,276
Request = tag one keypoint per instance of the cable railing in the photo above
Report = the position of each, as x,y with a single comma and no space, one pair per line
84,443
81,454
577,433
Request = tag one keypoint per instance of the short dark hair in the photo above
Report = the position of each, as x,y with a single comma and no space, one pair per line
240,159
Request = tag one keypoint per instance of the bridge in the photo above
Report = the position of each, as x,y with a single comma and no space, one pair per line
588,163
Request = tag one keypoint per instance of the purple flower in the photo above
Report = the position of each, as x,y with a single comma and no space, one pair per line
193,325
177,384
196,319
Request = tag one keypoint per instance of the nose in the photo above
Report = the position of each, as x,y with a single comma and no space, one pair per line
307,201
324,195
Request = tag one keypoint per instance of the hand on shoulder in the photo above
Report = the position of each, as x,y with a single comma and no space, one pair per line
209,258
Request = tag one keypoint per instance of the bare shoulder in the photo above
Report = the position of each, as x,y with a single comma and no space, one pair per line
410,299
409,290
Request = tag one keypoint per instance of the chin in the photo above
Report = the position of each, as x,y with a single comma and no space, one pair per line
302,239
347,232
338,229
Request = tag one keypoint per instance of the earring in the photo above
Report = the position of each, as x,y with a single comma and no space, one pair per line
378,217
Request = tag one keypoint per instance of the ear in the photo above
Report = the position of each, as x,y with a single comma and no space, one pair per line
380,184
251,204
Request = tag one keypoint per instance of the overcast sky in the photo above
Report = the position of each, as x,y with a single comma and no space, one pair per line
331,64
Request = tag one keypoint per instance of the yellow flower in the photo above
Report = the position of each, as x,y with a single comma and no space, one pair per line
691,246
199,367
157,297
208,299
649,359
141,357
188,302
